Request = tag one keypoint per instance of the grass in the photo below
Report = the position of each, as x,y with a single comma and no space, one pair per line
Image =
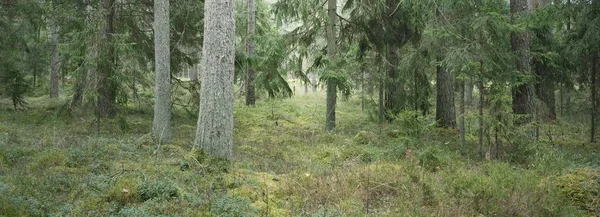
285,165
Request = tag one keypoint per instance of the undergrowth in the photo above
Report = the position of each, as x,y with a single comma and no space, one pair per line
57,164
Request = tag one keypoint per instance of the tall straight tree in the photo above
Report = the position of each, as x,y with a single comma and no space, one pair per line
215,123
250,90
331,52
445,113
106,87
54,34
522,94
161,126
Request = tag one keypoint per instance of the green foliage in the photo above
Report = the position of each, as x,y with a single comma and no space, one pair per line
411,123
582,186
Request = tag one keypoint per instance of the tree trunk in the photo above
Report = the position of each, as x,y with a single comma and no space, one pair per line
594,98
215,122
544,89
250,90
106,87
161,126
522,94
469,92
461,127
393,88
332,53
481,126
54,59
445,113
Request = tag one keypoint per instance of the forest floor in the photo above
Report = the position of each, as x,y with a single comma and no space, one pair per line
56,164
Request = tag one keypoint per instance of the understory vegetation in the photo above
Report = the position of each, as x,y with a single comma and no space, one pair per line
53,163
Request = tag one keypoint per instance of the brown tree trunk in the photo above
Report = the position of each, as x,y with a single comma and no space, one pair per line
393,88
106,87
544,89
250,90
522,95
54,59
445,111
594,98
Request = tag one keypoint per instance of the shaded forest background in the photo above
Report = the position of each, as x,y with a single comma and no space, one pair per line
340,108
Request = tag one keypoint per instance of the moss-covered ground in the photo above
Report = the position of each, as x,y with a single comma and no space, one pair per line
54,163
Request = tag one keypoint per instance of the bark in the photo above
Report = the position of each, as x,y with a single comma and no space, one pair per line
215,123
461,92
161,126
194,73
522,95
469,92
54,60
445,113
332,53
544,89
594,98
250,90
481,126
394,90
106,87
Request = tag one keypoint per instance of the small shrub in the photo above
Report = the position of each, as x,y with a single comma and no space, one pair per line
430,158
412,123
157,189
232,206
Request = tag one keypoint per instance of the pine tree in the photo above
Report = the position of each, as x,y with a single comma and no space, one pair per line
161,126
215,123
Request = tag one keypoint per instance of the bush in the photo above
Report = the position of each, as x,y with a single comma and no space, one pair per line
157,189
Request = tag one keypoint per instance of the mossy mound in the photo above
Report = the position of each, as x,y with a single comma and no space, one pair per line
582,187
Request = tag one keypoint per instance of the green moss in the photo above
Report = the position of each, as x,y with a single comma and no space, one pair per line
48,159
124,191
582,187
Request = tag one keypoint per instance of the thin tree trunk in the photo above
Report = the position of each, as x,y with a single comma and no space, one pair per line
215,122
250,91
522,94
332,53
161,126
481,126
594,99
462,112
54,59
469,92
380,101
362,90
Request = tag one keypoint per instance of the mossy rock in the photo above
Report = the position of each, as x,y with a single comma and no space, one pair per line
582,187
